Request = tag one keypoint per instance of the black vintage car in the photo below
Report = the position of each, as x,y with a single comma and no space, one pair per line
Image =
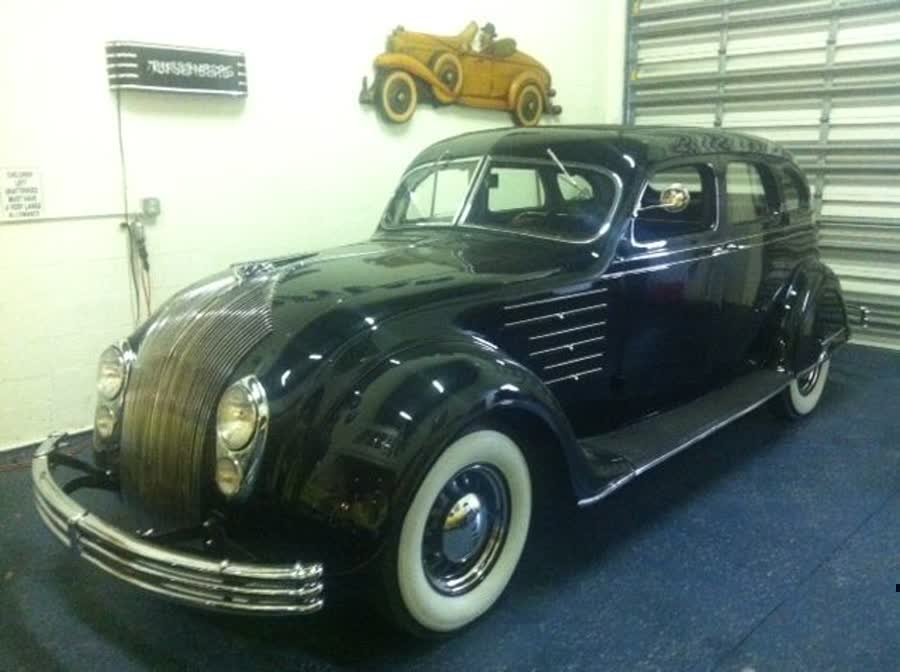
576,300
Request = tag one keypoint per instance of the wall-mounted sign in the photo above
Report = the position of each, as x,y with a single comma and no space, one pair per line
157,67
20,193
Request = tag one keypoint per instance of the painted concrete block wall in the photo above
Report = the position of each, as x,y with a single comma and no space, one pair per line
298,165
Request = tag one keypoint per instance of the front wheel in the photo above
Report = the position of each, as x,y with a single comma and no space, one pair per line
462,536
396,96
801,397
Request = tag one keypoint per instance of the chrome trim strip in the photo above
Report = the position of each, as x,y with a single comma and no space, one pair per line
663,266
787,233
567,345
574,361
566,331
555,298
690,442
573,376
612,487
560,315
608,490
828,339
217,585
463,212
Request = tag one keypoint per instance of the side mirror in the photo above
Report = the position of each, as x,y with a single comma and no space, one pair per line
674,198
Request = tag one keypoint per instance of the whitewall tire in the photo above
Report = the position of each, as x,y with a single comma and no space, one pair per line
803,394
464,532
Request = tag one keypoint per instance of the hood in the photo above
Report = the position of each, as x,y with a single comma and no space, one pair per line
327,297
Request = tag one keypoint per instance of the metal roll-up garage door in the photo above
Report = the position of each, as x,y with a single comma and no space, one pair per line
820,76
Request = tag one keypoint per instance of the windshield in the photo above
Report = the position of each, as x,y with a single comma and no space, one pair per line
550,200
545,198
430,195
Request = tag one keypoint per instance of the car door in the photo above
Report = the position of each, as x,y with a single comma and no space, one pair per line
750,218
478,73
671,289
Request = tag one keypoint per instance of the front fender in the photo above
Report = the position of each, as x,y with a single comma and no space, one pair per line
391,61
814,318
383,433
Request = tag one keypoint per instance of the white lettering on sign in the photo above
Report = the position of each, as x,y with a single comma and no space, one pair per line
189,69
20,193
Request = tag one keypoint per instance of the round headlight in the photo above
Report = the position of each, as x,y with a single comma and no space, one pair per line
111,372
228,476
237,417
104,421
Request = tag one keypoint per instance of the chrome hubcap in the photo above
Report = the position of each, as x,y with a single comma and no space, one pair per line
807,382
466,529
399,97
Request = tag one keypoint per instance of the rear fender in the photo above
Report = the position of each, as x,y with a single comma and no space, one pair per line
813,318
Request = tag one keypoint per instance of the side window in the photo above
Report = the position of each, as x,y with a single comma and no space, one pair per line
540,199
515,189
748,198
451,185
437,195
655,224
793,186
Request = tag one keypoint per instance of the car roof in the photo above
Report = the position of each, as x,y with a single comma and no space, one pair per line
643,145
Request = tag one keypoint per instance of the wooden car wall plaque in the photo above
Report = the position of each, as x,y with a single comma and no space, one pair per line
473,68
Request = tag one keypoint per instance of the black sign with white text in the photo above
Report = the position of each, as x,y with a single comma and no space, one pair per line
156,67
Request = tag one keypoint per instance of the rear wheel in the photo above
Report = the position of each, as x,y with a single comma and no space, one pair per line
529,106
462,536
396,96
801,397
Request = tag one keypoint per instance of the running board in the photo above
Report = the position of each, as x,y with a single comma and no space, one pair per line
648,442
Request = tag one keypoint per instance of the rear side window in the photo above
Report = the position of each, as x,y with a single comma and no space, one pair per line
748,199
654,223
794,190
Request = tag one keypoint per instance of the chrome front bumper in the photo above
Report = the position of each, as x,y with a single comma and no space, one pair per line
219,585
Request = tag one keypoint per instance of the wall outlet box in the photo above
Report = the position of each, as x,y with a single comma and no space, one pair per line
150,207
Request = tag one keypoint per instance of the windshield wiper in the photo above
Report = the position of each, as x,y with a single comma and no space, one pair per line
571,180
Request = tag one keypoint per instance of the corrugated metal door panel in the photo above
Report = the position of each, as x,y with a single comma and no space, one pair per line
820,76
